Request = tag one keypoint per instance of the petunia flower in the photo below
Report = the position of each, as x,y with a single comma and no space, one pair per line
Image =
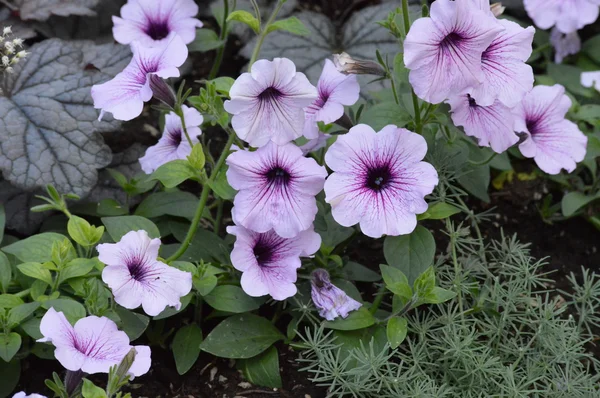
443,51
492,125
315,144
506,75
276,189
151,21
564,44
553,142
136,277
173,144
591,79
268,103
344,63
125,94
330,300
22,394
379,179
93,345
269,262
567,15
335,90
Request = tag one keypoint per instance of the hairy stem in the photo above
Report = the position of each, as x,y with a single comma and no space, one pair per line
222,36
263,33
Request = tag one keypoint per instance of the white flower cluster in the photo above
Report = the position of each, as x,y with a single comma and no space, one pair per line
10,52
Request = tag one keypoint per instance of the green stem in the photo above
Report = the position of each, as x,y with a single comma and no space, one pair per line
206,190
415,100
483,162
223,37
179,112
394,91
403,310
378,299
263,33
23,293
219,218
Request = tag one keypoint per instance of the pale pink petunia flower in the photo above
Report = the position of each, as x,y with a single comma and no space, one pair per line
330,300
567,15
268,103
492,125
315,144
269,262
151,21
125,94
93,345
564,44
276,188
553,142
173,144
136,277
379,179
22,394
443,51
335,90
591,79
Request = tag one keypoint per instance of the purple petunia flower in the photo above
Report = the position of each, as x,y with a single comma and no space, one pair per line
591,79
330,300
173,144
335,90
136,277
269,262
443,52
379,179
268,103
492,125
567,15
125,94
151,21
276,189
564,44
93,345
553,142
22,394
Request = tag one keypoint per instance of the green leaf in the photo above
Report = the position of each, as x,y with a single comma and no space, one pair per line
76,268
204,285
90,390
173,173
437,296
570,77
82,232
9,345
132,323
5,273
205,245
221,186
291,24
411,254
2,221
263,369
380,115
110,207
230,298
574,201
396,331
331,232
241,336
396,281
475,180
400,71
32,328
186,347
9,377
206,40
72,309
19,313
246,18
37,271
439,211
358,319
37,248
425,283
197,159
223,84
9,301
173,203
119,226
592,48
360,273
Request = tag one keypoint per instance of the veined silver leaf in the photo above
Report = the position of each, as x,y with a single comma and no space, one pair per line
17,204
19,28
43,9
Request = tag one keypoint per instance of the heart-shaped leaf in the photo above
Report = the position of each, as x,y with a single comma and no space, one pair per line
43,9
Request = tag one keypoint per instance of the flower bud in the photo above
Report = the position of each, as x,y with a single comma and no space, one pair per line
497,9
350,66
5,61
18,42
7,30
330,300
162,91
22,54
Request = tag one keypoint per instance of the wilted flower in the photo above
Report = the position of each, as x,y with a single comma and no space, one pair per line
269,262
315,144
330,300
553,142
344,63
173,144
497,9
93,345
379,179
335,90
492,125
136,277
591,79
276,189
564,44
268,103
444,51
152,21
23,395
125,94
568,16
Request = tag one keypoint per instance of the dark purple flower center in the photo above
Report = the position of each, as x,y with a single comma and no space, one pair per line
378,177
175,138
532,125
278,176
262,252
472,102
157,30
270,94
453,40
137,269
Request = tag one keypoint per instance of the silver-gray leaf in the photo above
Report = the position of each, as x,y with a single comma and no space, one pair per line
17,204
19,28
43,9
49,133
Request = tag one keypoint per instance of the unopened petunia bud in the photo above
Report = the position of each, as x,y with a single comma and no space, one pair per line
162,91
348,65
497,9
330,300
